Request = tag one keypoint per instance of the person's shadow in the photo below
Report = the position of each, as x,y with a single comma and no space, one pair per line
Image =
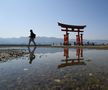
31,54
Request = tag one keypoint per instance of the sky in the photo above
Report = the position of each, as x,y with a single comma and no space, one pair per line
17,17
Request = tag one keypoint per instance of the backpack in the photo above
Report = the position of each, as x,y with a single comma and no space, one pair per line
34,35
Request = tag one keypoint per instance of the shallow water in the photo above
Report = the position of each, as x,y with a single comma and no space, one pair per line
56,69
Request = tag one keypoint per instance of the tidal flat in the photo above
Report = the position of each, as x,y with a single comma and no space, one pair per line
42,68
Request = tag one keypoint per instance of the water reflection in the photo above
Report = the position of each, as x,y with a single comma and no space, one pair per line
31,54
44,75
79,60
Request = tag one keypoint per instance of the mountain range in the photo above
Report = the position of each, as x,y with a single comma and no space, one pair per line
44,40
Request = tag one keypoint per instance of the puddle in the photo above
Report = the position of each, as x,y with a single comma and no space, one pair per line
56,69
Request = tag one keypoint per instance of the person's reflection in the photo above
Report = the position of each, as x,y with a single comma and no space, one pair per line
31,54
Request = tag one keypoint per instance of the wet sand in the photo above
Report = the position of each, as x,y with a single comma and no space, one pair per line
61,46
88,47
9,54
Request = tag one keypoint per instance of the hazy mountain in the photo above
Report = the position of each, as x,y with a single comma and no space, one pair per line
44,40
25,40
21,40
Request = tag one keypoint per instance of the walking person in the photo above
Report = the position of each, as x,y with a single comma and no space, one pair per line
32,37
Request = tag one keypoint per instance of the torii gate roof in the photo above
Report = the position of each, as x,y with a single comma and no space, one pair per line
71,26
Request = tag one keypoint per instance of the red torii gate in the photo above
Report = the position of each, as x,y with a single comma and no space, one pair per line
72,28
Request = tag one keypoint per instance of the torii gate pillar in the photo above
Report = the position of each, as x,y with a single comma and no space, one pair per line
66,39
81,39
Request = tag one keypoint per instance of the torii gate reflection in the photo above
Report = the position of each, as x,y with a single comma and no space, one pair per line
79,60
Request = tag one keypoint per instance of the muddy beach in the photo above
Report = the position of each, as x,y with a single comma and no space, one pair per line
8,54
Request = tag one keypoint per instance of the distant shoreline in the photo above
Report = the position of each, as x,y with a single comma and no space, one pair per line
58,46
